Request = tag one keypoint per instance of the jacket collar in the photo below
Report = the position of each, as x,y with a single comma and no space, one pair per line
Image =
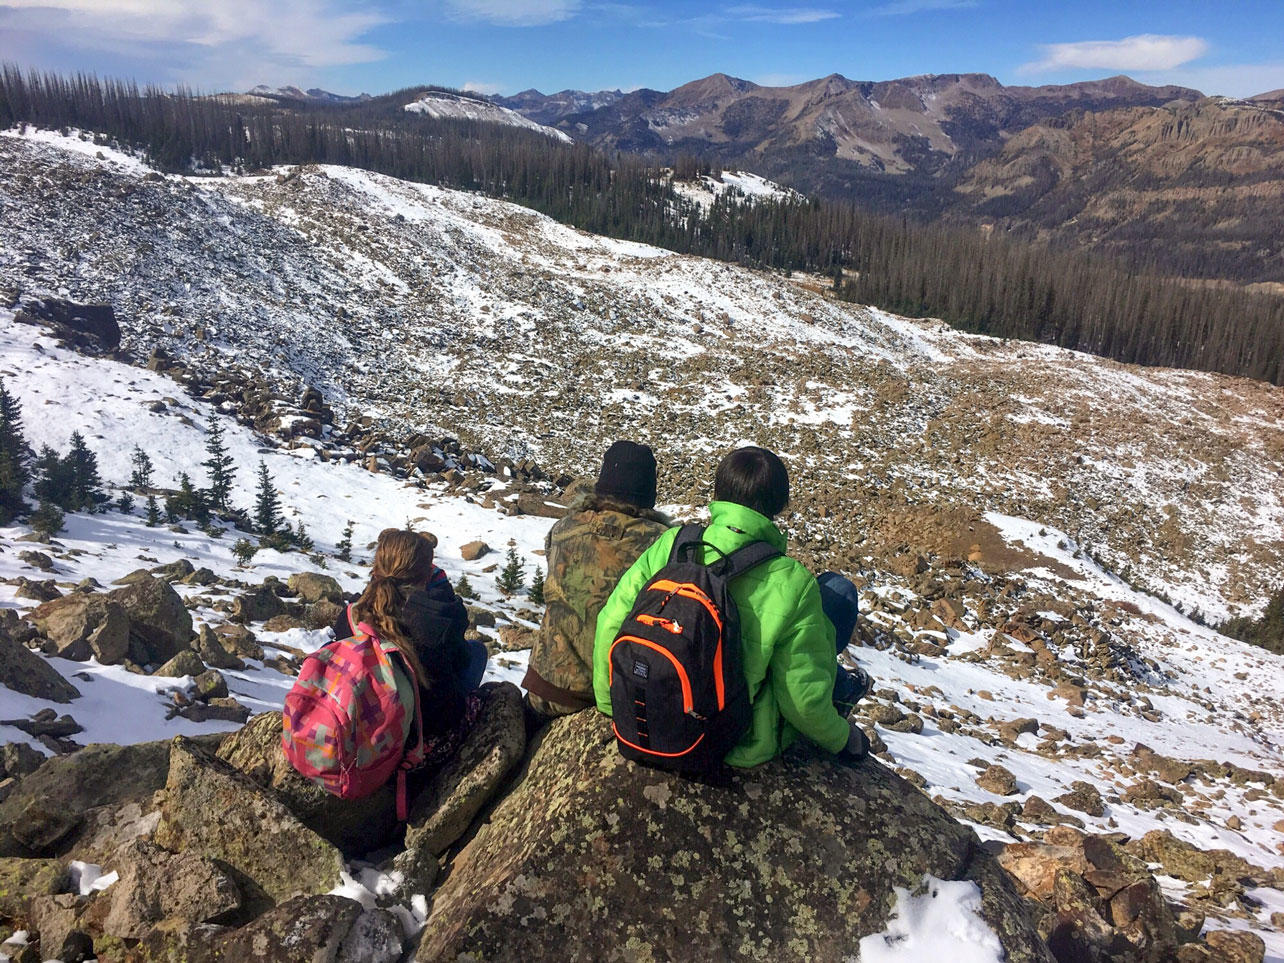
756,526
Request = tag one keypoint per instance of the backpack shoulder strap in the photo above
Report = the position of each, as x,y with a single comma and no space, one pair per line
687,535
747,557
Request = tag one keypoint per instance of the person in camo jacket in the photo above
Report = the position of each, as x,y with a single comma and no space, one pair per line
587,551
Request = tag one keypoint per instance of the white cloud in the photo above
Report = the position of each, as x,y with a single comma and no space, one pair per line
286,34
514,13
903,8
482,87
782,15
1146,51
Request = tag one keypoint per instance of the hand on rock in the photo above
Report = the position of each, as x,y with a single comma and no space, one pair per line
857,747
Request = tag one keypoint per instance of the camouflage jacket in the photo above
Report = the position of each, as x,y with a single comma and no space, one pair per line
586,552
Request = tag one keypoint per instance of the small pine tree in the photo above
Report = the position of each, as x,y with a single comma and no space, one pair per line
54,481
140,476
267,504
513,575
243,550
219,465
536,592
302,539
125,503
14,456
190,502
86,485
47,519
153,512
344,545
464,588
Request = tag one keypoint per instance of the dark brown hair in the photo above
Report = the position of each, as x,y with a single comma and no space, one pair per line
755,478
401,558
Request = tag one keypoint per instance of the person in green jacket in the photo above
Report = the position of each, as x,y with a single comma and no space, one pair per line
788,642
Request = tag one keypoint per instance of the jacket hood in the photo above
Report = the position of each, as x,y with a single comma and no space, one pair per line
592,502
754,524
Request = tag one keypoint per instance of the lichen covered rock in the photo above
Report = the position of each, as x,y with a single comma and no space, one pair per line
793,860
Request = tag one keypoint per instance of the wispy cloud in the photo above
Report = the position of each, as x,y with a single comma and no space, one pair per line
782,15
1147,51
482,87
904,8
514,13
287,33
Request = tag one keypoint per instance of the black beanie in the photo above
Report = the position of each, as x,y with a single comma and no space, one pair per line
628,473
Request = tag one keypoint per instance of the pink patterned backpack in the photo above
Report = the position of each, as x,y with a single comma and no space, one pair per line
344,721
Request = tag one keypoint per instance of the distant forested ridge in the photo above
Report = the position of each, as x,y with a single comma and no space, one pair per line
977,282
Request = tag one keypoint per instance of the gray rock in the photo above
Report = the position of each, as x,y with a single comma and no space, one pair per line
355,826
174,571
19,759
315,587
307,928
215,810
375,937
156,885
158,620
184,663
209,685
239,641
23,671
42,817
212,651
258,605
22,880
79,627
443,811
795,859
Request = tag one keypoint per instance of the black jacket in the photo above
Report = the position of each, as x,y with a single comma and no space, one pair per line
435,620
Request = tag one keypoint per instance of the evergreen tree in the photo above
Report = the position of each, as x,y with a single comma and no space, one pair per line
14,456
190,502
267,504
153,511
47,519
140,477
344,545
536,591
219,465
302,539
82,468
54,480
513,575
243,550
125,503
464,588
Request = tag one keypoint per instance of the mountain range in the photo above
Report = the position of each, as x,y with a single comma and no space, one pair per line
1158,176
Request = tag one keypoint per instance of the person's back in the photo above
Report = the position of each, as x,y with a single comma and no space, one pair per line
586,552
787,641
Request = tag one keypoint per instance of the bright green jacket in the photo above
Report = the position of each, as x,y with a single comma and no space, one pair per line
789,661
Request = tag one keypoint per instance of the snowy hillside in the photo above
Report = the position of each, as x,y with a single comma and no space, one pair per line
742,184
443,104
435,308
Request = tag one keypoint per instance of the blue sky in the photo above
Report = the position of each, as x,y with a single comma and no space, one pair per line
503,46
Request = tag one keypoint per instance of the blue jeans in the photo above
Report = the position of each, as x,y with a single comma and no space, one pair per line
476,668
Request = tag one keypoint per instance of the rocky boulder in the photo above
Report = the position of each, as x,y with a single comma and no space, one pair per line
80,627
355,826
315,587
606,860
91,325
214,810
258,605
23,671
22,880
443,811
323,929
48,810
158,620
154,885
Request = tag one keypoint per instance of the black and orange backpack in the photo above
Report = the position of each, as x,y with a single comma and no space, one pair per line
679,699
